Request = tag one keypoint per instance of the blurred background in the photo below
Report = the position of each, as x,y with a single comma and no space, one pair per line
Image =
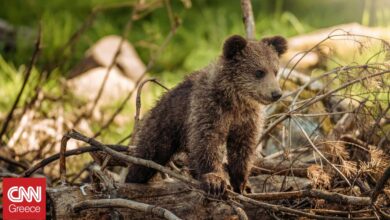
205,24
75,53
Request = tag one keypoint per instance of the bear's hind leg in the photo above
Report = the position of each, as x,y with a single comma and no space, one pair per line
157,148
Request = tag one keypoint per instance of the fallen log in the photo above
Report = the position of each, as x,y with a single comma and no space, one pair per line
177,197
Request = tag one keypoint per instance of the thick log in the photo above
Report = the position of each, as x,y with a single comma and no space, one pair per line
177,197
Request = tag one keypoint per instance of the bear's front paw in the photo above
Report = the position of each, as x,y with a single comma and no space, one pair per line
214,184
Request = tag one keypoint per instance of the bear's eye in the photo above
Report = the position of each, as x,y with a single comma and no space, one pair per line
259,74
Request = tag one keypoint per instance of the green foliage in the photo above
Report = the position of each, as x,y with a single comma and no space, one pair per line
197,43
11,80
204,26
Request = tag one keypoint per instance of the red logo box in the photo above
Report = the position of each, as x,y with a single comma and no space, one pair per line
24,198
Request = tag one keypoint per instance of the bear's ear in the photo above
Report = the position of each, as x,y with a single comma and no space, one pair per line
233,45
279,43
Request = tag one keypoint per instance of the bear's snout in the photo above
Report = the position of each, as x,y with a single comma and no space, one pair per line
276,95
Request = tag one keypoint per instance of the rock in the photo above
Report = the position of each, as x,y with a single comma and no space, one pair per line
89,83
102,54
86,78
342,44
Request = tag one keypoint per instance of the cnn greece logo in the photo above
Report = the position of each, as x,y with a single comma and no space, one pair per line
28,194
24,198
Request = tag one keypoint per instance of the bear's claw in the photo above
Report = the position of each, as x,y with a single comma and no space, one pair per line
214,184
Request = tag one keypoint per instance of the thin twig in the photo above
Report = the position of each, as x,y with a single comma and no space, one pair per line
313,193
124,36
380,185
78,151
315,100
320,153
26,78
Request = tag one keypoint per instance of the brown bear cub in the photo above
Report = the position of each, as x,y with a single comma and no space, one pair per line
215,115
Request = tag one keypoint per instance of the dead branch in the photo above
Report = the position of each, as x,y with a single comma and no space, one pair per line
13,162
380,185
123,203
247,16
127,158
331,197
138,98
26,78
279,208
280,167
78,151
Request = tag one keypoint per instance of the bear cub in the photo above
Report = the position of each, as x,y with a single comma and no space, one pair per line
215,115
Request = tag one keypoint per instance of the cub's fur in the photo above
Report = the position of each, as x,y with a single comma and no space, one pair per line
215,115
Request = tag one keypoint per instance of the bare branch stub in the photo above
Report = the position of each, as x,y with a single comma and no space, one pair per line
138,99
248,19
64,142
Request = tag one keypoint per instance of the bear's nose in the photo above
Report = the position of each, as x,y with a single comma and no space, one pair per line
276,95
